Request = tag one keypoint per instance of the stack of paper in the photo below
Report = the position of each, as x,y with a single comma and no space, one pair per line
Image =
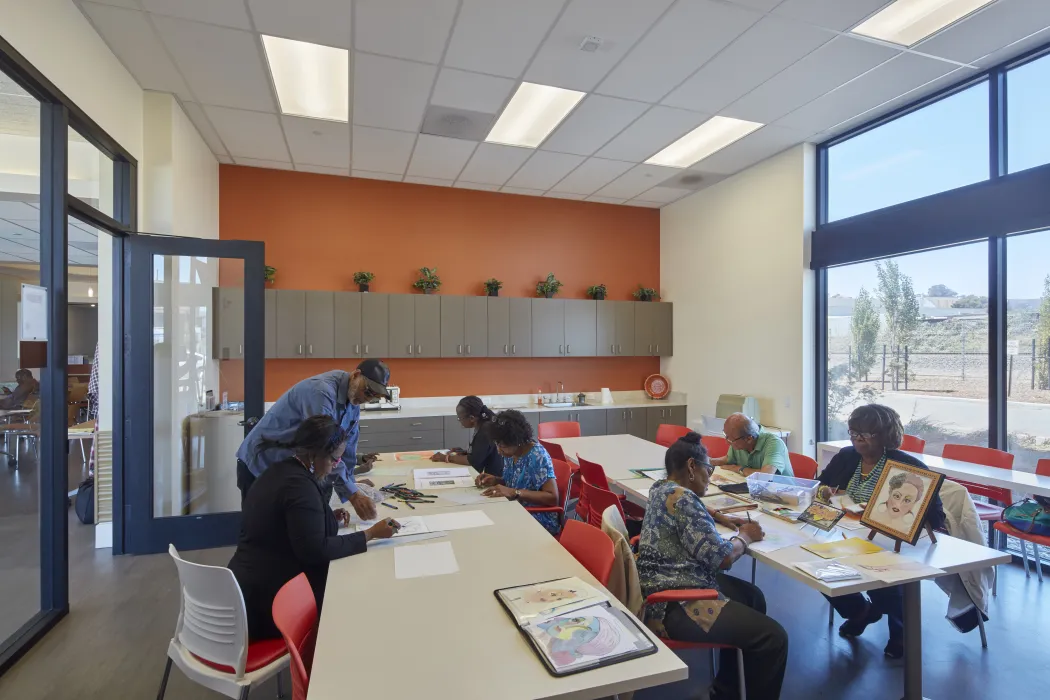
890,567
442,478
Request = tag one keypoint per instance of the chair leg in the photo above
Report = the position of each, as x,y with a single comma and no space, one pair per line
740,673
995,580
244,692
280,684
164,680
1024,558
980,626
831,615
1038,562
754,567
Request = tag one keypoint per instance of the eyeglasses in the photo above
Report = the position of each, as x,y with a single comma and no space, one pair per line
370,394
732,440
862,436
710,467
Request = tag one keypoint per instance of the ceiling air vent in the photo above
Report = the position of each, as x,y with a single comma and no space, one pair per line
457,123
692,180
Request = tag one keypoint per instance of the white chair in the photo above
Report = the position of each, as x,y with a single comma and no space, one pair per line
211,643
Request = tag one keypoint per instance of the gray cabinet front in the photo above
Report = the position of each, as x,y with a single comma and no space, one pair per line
581,325
428,325
499,326
533,417
521,327
291,323
346,313
592,422
375,325
456,435
624,327
270,320
643,328
663,329
616,421
475,326
228,338
402,331
452,331
320,319
662,415
637,422
548,327
606,329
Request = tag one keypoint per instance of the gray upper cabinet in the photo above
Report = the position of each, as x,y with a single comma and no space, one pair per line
653,332
228,334
346,337
509,327
521,327
402,329
320,329
625,327
476,326
375,325
499,326
270,321
581,318
427,325
606,329
291,323
452,333
548,327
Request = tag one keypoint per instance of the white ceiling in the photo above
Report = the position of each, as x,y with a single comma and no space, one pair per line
664,67
20,235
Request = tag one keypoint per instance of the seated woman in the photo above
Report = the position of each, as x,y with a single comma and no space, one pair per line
876,433
528,473
288,528
482,453
680,548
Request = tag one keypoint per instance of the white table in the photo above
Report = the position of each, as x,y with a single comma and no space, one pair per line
447,636
617,456
1013,479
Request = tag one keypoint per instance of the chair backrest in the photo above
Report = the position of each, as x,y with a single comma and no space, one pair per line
612,517
911,443
667,434
591,547
592,473
803,467
1042,467
717,446
987,456
559,429
554,450
212,622
562,474
295,614
597,501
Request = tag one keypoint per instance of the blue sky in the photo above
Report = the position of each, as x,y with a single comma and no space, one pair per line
938,148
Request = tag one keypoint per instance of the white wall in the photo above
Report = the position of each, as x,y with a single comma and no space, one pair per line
734,260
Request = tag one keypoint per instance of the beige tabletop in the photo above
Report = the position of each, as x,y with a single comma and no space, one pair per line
618,454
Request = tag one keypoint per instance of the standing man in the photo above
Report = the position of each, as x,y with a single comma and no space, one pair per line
753,450
337,394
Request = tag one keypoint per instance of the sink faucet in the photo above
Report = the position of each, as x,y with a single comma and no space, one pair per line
561,390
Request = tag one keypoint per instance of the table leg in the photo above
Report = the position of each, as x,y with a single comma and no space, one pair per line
913,641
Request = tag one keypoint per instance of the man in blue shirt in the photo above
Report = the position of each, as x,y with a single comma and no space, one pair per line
337,394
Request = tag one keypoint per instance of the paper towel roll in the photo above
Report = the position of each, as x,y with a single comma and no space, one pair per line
606,396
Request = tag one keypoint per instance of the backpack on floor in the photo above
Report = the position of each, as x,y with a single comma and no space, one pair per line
1030,517
85,503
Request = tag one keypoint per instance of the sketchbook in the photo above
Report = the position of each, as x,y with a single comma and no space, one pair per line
572,626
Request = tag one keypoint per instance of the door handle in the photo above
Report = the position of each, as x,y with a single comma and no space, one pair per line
513,349
505,351
650,348
310,348
612,348
561,349
568,349
619,349
625,415
419,349
459,349
241,350
363,439
357,349
468,349
657,348
417,437
409,349
416,424
366,349
300,349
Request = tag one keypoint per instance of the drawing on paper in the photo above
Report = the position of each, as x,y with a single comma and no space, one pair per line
421,456
900,500
572,638
549,595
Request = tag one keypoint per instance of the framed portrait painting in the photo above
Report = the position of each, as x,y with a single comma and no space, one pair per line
900,500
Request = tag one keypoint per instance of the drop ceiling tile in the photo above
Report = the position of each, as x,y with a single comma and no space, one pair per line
129,4
476,186
14,209
222,66
833,64
249,134
757,55
544,170
592,124
653,131
439,157
494,164
390,93
606,200
318,142
499,37
753,148
270,164
382,150
300,20
436,182
471,91
764,5
522,190
591,176
688,36
196,115
1030,42
364,174
892,79
131,38
838,15
640,203
637,180
619,23
565,195
323,170
414,29
665,195
228,13
988,30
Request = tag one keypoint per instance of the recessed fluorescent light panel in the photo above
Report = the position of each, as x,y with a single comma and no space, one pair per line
710,137
532,114
908,22
311,80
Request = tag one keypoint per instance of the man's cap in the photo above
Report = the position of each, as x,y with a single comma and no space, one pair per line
377,375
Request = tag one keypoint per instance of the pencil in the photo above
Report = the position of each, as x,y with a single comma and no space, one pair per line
410,505
388,505
748,516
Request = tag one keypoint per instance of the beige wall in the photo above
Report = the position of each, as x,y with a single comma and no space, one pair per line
734,260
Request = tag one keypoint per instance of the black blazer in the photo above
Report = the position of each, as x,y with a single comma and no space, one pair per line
842,466
287,528
483,455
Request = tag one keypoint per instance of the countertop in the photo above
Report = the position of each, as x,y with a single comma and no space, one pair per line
411,410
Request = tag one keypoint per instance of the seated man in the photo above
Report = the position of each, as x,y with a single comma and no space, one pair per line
751,449
27,386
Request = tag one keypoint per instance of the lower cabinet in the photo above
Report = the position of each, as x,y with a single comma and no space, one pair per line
657,416
592,421
456,435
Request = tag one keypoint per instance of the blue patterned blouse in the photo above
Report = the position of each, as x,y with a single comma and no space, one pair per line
679,547
529,473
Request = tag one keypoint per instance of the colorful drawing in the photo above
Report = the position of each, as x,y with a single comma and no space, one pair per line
720,502
549,595
569,639
898,505
421,456
723,478
821,516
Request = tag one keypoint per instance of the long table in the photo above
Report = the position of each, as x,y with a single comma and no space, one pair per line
447,636
619,454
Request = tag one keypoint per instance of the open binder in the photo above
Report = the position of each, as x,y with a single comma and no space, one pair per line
572,626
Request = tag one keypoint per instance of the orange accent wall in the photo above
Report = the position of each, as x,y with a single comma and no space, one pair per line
320,229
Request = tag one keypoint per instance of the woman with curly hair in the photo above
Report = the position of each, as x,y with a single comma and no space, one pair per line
473,414
528,473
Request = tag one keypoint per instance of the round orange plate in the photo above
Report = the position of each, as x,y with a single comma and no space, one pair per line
657,386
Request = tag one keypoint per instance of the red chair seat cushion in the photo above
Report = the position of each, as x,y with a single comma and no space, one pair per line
260,655
986,511
1008,529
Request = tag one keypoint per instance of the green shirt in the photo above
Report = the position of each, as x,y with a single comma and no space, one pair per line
769,449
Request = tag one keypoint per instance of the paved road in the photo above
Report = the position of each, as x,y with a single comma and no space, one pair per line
966,415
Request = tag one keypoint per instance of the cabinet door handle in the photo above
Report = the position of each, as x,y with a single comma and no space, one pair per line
650,348
363,439
416,424
409,349
625,415
366,349
357,349
417,437
612,348
300,349
505,350
459,349
619,349
513,349
568,349
419,349
561,349
310,348
657,348
241,351
468,349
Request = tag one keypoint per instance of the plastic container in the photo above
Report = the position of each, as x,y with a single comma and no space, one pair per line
782,490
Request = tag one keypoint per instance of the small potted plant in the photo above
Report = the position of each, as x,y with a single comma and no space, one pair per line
646,294
362,280
596,292
492,286
549,287
428,280
269,274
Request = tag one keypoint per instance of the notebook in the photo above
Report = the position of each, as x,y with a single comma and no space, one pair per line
572,626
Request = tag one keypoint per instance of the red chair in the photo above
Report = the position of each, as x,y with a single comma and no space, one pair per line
667,435
910,443
1042,468
591,547
556,452
804,467
295,614
559,429
563,475
594,474
988,457
717,447
597,501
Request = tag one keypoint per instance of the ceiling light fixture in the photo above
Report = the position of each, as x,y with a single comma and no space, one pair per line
907,22
311,80
91,291
532,114
710,137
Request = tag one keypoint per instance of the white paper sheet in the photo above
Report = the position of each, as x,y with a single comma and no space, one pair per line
779,539
890,567
425,560
469,498
396,541
435,472
410,525
444,482
457,521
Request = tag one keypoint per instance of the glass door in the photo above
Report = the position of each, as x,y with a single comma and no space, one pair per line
194,362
